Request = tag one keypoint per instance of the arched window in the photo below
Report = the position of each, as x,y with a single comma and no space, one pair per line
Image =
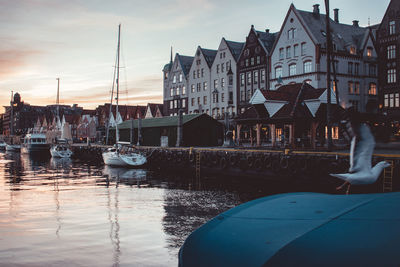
307,66
292,69
278,72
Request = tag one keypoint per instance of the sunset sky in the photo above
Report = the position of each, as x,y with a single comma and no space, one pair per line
76,41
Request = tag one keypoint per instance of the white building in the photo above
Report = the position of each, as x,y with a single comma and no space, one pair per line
223,96
199,91
299,54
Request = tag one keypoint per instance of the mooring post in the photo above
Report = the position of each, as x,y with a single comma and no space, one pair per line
179,129
139,140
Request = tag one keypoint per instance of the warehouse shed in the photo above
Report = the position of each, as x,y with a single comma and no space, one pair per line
198,130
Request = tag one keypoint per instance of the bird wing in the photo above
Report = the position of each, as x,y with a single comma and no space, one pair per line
361,155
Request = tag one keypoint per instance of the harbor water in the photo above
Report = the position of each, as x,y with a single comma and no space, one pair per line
63,212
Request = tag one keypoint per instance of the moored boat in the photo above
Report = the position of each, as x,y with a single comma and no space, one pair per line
60,151
13,147
35,142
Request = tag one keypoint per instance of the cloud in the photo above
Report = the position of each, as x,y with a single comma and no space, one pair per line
13,61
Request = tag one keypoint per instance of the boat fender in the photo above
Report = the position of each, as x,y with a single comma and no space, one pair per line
250,161
284,163
223,163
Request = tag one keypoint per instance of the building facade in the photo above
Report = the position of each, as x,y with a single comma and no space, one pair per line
175,82
253,66
388,42
299,55
200,81
224,96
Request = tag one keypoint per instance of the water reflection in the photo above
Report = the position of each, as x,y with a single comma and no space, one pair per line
126,176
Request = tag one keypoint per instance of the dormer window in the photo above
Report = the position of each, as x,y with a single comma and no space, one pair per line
369,52
352,50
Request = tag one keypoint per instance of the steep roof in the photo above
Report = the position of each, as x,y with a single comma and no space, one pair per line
209,55
235,48
267,39
343,35
154,107
161,122
186,63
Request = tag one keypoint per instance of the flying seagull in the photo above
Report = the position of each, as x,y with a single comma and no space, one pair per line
361,171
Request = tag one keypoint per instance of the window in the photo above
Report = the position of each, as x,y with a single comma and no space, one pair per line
242,79
303,49
288,52
198,87
351,88
171,104
222,97
278,72
255,77
291,34
391,100
198,100
174,79
247,62
198,62
262,76
350,68
205,86
356,68
194,74
215,98
352,50
295,50
228,65
307,66
386,101
281,53
222,83
252,61
242,96
354,103
372,89
292,69
205,100
230,96
171,92
180,77
369,52
230,80
192,100
183,103
198,73
357,88
391,75
248,78
222,67
217,68
215,83
192,88
202,72
396,100
248,95
175,103
372,70
391,51
183,90
258,60
392,27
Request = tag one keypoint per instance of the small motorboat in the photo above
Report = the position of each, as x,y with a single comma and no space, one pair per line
60,151
13,148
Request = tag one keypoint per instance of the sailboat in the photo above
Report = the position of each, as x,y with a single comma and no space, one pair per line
61,148
120,155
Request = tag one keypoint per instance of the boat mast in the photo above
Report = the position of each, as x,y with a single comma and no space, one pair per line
58,100
12,115
117,81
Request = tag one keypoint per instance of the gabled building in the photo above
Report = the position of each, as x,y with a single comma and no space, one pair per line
175,81
388,42
253,65
200,81
153,111
224,96
299,55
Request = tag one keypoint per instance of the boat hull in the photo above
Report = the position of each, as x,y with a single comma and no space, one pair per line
112,158
64,153
35,148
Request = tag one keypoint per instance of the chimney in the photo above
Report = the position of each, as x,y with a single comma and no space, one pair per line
316,9
355,23
336,14
267,30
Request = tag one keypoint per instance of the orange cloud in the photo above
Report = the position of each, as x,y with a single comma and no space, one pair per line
12,61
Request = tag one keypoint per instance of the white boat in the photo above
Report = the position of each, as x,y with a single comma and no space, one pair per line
35,142
60,151
13,148
2,145
120,155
